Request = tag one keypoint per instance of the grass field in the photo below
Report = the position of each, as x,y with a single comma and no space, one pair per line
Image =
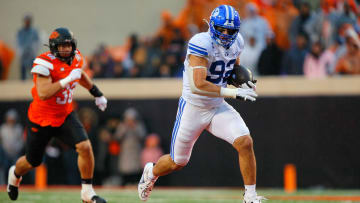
182,195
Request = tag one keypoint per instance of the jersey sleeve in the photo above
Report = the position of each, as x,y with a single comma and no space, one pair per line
199,46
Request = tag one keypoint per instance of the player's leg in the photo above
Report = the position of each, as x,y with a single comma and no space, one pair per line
73,133
228,125
190,122
36,141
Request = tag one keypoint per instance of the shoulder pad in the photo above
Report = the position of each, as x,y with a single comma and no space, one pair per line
240,42
44,62
42,70
200,44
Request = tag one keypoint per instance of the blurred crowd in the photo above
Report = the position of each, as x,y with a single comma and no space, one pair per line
122,147
282,37
315,38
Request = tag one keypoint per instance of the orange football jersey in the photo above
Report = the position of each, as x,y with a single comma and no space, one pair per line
53,111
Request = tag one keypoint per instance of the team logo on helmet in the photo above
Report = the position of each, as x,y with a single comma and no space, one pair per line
54,35
215,12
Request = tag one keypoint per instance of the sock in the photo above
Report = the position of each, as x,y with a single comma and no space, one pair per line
151,174
86,184
86,187
250,190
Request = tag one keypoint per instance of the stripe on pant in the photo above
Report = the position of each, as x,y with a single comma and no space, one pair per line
182,103
176,123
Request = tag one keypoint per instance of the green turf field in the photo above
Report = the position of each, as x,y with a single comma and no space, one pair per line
191,195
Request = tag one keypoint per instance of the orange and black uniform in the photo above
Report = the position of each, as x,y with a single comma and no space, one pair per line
53,117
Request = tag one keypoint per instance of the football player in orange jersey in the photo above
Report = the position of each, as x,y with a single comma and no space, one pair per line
55,75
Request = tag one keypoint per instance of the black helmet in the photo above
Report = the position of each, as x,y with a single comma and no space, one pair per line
62,36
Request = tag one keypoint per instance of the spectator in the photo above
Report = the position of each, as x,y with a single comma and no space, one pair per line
250,56
347,16
350,62
6,57
102,63
134,44
270,58
280,16
154,55
164,71
108,150
152,151
293,61
313,66
28,45
119,71
11,140
300,22
130,133
1,69
329,59
255,26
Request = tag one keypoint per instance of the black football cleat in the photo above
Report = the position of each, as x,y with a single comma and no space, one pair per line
96,199
12,192
13,184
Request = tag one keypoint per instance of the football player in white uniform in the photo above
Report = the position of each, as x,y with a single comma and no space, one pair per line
209,61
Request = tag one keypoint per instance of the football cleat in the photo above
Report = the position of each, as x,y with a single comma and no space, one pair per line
90,196
253,199
146,184
13,184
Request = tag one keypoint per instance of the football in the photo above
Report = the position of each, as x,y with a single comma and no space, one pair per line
240,75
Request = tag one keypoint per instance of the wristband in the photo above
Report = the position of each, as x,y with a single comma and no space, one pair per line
94,91
228,92
65,81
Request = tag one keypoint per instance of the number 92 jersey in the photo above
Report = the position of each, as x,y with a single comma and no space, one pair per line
220,64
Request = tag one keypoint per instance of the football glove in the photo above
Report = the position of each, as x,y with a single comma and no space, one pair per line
246,94
249,85
101,103
75,74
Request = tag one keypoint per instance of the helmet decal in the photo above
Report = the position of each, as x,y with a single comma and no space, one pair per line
54,35
215,12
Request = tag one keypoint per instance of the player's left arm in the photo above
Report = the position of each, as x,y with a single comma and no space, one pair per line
100,99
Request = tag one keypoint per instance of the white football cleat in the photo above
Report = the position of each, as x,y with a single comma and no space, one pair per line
13,184
146,184
89,196
253,199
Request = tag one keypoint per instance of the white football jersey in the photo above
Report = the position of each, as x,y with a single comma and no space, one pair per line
220,64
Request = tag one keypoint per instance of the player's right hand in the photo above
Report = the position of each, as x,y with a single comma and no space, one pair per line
246,94
75,74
